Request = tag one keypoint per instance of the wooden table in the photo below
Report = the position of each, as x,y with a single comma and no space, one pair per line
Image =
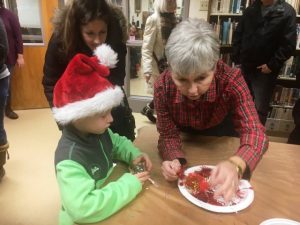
276,183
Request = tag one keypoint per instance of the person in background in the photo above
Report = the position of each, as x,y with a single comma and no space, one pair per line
157,31
15,50
263,40
135,54
4,85
294,137
85,153
200,94
79,27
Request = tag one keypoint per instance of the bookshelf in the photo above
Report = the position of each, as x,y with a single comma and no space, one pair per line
224,16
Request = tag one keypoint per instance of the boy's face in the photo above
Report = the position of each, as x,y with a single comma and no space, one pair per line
96,124
194,85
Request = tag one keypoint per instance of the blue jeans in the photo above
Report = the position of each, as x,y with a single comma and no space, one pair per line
11,71
4,85
261,87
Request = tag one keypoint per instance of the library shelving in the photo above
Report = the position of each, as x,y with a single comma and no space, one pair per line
224,16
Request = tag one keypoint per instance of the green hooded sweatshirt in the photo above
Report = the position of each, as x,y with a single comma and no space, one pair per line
83,163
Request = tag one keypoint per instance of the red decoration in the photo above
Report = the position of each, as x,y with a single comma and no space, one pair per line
197,184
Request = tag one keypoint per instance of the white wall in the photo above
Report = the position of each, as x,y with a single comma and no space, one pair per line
194,11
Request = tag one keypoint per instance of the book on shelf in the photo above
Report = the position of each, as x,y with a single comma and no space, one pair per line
298,35
225,29
290,68
225,32
229,6
285,97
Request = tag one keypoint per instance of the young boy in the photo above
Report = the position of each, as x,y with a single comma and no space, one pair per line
83,99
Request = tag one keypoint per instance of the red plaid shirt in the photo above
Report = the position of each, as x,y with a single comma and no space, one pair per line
228,93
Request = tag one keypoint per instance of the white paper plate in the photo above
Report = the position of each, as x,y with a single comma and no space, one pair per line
244,185
279,221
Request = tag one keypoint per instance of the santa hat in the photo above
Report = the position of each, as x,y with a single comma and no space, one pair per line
83,90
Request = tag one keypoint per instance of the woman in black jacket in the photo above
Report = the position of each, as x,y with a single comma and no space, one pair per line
79,27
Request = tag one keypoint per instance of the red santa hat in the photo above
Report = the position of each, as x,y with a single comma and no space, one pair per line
83,90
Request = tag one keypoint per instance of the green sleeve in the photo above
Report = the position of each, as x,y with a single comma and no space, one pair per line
123,148
83,203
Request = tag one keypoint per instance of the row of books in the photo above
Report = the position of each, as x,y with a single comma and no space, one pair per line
225,30
281,113
283,96
290,68
226,57
229,6
237,6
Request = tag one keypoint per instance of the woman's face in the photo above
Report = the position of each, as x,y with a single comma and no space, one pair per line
94,33
194,85
171,5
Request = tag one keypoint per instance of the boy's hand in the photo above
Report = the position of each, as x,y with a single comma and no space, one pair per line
143,176
144,158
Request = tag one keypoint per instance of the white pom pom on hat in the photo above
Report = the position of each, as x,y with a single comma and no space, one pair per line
106,55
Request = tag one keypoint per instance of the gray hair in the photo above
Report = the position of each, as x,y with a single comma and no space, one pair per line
193,47
160,6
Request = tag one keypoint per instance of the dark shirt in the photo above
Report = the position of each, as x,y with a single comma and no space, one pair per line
228,93
14,36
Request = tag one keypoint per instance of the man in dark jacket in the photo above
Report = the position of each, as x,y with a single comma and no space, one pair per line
294,137
264,39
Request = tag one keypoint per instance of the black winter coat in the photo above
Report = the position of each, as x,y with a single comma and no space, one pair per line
267,40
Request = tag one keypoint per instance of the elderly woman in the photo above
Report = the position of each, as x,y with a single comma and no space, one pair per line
157,31
201,94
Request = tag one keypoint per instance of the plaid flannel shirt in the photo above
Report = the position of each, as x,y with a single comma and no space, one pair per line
228,93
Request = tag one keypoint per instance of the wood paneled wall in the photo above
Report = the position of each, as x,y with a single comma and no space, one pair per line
27,89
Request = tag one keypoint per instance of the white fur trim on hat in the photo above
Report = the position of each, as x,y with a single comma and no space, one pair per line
101,102
106,55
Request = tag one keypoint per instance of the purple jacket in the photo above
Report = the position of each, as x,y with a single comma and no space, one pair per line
14,36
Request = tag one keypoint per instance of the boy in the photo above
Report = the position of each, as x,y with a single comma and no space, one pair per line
83,99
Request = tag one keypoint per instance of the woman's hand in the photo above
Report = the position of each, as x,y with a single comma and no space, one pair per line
224,179
147,77
170,169
20,60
